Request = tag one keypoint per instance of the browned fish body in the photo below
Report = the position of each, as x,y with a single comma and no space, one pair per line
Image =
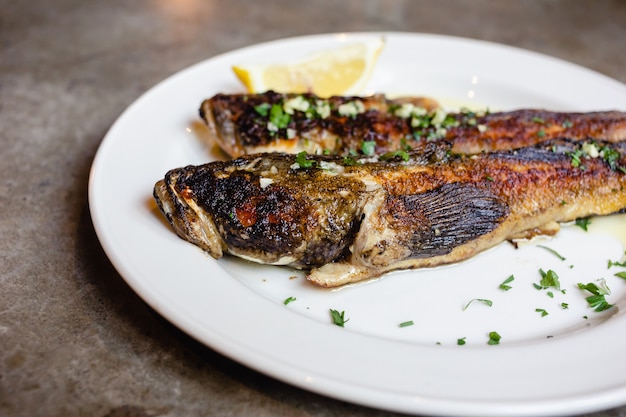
243,124
347,220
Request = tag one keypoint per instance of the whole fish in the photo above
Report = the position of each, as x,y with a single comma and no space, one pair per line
272,122
345,220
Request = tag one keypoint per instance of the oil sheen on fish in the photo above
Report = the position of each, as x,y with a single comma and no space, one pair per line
345,220
272,122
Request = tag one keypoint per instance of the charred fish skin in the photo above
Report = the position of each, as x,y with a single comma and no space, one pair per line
266,220
250,123
345,221
242,124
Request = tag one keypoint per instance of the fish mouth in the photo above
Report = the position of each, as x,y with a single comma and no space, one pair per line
187,219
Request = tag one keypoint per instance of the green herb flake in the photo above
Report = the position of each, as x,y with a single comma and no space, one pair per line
538,120
404,155
289,300
549,279
504,285
541,133
542,311
481,300
583,223
338,318
567,124
262,109
494,338
552,251
278,117
460,341
368,147
621,275
564,306
302,161
407,323
597,299
616,263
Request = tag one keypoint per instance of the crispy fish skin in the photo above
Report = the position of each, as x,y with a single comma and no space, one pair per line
239,129
345,222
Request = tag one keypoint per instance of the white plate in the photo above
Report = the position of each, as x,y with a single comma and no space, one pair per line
554,365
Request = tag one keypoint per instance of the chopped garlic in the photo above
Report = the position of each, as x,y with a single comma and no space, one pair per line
322,108
264,182
351,108
296,103
591,150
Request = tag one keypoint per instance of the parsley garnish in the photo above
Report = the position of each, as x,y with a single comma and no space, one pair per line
302,161
481,300
542,311
460,341
278,117
504,286
583,223
597,299
262,109
616,263
494,338
407,323
549,279
538,120
552,251
567,124
368,147
350,161
289,300
400,153
621,275
338,318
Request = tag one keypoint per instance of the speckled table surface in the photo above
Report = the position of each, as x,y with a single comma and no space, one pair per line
75,340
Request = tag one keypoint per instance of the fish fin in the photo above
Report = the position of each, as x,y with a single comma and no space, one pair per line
448,217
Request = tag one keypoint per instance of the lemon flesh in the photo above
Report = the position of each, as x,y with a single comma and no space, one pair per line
340,71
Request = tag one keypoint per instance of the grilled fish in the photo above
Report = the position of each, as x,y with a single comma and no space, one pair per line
273,122
345,220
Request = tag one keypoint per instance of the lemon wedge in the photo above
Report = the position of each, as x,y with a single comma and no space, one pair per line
341,71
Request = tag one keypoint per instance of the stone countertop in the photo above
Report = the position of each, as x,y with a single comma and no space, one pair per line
75,340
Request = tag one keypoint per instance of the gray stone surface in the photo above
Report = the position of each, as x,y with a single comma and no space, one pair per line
74,339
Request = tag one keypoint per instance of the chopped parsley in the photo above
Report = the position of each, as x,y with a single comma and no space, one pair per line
460,341
621,275
552,251
302,162
407,323
278,117
567,124
494,338
404,155
549,279
597,299
262,109
368,147
481,300
542,311
504,285
583,223
616,263
289,300
338,318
